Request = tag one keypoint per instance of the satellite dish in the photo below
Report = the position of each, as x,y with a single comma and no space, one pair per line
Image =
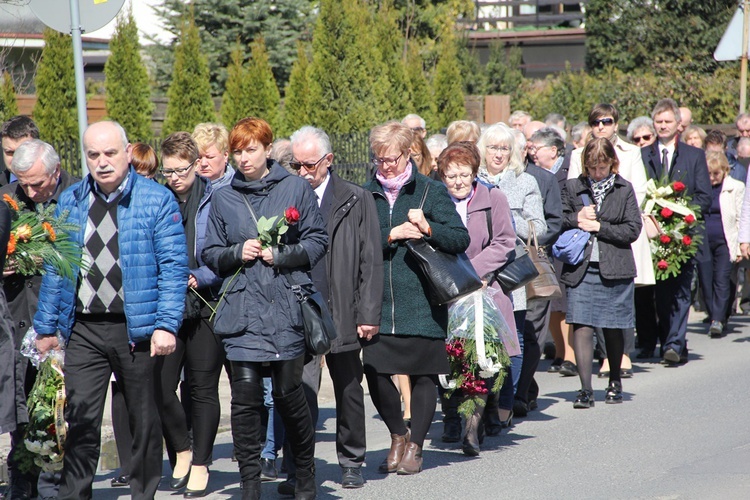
95,14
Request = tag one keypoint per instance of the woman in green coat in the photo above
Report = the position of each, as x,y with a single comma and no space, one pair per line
412,332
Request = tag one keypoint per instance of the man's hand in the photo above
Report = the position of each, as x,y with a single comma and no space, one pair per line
163,343
367,332
745,250
45,343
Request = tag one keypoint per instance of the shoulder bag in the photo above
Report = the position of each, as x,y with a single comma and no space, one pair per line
317,322
518,270
545,286
447,277
570,247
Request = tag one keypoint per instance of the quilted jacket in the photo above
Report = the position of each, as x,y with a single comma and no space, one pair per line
153,258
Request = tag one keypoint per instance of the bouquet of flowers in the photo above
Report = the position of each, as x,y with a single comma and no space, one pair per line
476,353
676,219
37,237
45,433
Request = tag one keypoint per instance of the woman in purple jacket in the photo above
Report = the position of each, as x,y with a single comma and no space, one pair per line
480,208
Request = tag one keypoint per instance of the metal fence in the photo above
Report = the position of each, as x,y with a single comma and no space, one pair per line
352,157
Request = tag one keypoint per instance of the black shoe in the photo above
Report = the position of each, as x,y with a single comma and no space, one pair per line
351,477
268,469
177,483
585,399
671,357
250,490
508,422
568,369
555,366
614,393
645,353
520,409
120,481
716,329
549,350
451,431
287,487
626,373
305,489
533,405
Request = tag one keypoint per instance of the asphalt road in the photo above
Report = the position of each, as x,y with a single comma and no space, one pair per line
682,433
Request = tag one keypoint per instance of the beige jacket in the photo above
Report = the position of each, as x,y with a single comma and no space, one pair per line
730,201
633,171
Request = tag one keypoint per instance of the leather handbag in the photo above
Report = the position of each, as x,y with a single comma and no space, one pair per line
517,271
571,246
545,286
317,322
446,277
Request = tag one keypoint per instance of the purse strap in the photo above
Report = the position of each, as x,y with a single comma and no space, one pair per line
532,235
424,195
296,285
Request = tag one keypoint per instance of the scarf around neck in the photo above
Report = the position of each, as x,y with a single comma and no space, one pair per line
600,188
391,187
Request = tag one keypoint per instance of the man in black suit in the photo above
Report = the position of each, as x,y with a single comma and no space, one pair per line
678,162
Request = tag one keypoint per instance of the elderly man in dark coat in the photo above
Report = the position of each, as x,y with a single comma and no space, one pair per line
350,277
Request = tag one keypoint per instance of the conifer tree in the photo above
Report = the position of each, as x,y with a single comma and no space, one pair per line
55,109
296,112
127,91
348,81
420,95
8,104
264,94
447,86
503,73
236,98
189,93
390,40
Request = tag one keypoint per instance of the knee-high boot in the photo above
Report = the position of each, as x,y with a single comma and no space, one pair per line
247,401
471,437
296,416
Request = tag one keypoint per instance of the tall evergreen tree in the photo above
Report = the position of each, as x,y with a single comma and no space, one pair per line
237,96
447,86
296,111
348,81
264,96
420,93
189,93
55,109
8,103
391,42
502,69
127,91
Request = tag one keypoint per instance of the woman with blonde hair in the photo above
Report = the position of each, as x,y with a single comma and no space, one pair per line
463,131
213,144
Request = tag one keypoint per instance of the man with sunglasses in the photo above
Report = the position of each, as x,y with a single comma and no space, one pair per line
603,120
350,277
664,308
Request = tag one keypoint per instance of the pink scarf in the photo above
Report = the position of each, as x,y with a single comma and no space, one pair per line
391,187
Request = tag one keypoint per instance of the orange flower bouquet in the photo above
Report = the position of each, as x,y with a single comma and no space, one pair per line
38,237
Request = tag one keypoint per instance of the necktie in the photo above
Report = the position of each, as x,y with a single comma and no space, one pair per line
665,161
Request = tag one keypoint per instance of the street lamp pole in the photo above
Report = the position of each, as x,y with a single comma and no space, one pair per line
75,31
743,61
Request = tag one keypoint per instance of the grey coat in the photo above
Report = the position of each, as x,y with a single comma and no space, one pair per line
259,318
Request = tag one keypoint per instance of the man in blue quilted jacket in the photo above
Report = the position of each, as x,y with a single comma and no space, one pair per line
121,310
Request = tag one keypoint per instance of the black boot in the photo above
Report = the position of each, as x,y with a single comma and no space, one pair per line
471,437
305,488
299,432
247,403
492,424
451,418
251,489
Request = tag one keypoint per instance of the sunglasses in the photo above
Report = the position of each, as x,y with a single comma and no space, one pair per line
602,121
646,137
310,167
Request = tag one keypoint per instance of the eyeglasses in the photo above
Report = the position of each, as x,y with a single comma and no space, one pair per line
181,172
463,177
646,137
310,167
533,148
602,121
390,161
503,150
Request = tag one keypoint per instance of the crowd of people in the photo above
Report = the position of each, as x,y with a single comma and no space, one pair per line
180,281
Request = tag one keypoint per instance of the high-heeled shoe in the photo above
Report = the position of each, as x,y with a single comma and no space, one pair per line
508,422
197,493
177,483
614,393
585,399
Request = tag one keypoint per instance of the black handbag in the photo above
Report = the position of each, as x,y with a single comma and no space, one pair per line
320,331
518,271
447,277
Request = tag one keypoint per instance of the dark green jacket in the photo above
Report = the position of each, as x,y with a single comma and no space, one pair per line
406,309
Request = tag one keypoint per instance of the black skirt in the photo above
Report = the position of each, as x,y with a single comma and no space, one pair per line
406,355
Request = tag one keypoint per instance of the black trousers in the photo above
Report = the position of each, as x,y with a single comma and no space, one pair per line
715,276
95,350
200,353
534,327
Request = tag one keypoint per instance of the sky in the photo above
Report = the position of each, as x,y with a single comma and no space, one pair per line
145,18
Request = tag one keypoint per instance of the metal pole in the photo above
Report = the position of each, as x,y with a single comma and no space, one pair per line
743,63
75,31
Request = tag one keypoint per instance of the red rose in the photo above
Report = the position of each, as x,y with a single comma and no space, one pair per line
662,264
678,186
686,240
665,239
690,219
291,215
666,213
